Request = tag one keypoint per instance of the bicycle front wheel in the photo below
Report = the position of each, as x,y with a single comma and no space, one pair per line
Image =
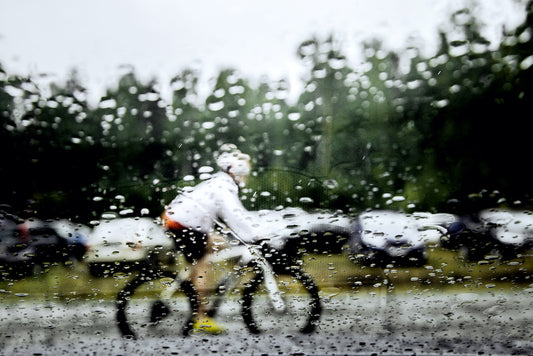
140,309
302,308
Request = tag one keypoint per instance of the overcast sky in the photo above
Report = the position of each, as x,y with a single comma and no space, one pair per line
162,37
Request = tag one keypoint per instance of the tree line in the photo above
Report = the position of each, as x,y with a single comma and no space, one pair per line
450,133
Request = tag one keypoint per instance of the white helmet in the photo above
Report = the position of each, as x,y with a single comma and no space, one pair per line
232,160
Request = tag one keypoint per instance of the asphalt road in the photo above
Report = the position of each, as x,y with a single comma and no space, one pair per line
366,322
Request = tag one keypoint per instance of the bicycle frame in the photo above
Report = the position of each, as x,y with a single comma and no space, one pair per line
246,254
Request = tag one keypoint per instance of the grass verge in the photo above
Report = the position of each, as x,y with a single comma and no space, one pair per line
335,273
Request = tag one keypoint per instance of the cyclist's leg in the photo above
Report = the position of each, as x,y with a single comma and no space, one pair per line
196,247
202,277
202,272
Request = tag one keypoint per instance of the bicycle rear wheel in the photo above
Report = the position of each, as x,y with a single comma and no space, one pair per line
140,309
302,304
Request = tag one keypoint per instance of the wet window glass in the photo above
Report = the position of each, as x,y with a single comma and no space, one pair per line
282,178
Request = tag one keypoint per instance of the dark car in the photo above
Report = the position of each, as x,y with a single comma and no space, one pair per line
28,245
13,242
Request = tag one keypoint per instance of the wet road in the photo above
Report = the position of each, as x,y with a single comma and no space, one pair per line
425,322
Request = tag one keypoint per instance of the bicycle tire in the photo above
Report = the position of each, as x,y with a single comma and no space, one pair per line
256,321
157,311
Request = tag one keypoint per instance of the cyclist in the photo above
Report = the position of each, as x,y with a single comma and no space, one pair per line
191,217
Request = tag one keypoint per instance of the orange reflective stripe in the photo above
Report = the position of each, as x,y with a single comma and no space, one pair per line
169,223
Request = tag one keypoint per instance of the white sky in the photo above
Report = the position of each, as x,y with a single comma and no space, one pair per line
162,37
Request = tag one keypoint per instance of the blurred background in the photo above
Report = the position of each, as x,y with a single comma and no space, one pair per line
346,120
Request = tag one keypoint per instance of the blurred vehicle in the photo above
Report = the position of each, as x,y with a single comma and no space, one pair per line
316,232
12,237
75,234
391,237
126,243
55,240
498,232
379,236
25,246
512,228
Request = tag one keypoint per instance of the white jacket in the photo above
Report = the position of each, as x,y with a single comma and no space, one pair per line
197,207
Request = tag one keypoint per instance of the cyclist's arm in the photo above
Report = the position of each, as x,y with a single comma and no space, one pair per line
236,216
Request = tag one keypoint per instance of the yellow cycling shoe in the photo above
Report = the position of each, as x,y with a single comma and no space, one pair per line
207,325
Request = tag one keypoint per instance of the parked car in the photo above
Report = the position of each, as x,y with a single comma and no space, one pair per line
392,237
498,232
126,243
56,240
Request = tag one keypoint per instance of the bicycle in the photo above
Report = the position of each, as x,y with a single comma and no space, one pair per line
293,294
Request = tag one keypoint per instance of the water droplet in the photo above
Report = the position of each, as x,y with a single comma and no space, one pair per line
126,212
294,116
108,104
205,169
331,184
526,63
208,125
216,106
337,63
306,200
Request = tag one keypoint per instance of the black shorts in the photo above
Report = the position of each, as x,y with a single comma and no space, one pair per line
191,242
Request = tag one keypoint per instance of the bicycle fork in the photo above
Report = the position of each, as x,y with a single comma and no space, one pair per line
249,254
272,286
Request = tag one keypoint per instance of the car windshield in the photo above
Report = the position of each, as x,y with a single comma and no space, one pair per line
283,177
